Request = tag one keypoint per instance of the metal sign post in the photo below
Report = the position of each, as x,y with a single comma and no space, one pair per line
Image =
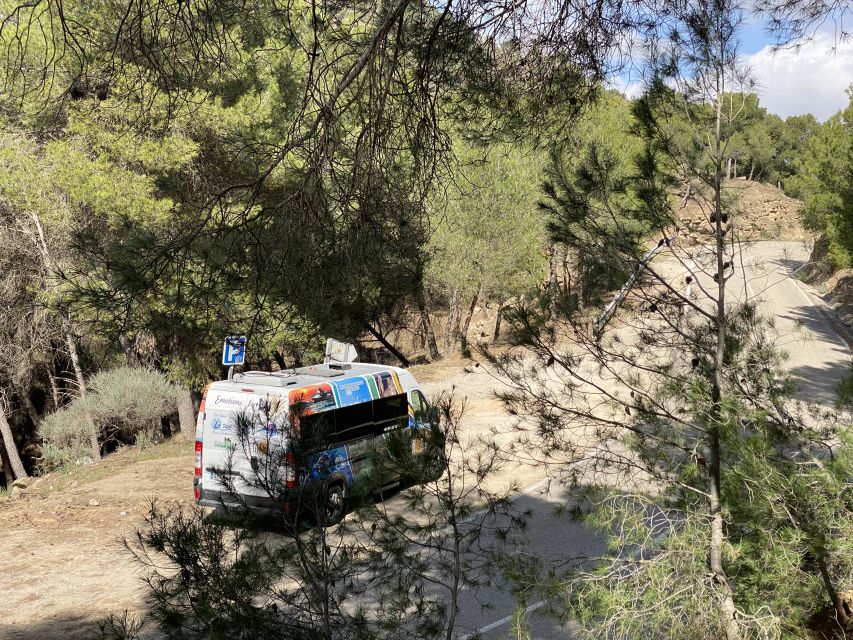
233,352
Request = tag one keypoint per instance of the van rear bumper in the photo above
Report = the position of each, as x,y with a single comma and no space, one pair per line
228,501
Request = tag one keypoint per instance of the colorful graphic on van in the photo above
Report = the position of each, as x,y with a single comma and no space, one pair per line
352,391
387,384
312,399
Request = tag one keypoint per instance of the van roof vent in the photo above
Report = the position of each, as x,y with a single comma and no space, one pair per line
340,366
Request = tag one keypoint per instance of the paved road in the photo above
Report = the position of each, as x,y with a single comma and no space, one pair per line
819,356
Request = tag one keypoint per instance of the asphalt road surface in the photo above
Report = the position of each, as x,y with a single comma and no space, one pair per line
819,357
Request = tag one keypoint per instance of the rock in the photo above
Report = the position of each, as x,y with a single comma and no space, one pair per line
123,514
93,503
23,483
16,492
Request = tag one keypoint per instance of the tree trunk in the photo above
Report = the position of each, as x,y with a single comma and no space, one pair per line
751,170
29,407
70,342
186,412
429,334
279,360
54,389
9,444
463,333
686,195
384,342
552,278
728,168
452,331
498,322
715,551
129,351
581,285
81,387
7,466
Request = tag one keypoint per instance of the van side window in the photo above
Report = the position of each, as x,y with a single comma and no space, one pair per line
360,420
421,407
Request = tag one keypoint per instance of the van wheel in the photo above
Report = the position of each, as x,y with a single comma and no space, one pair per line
335,507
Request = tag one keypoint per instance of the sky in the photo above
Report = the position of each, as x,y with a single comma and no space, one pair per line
812,79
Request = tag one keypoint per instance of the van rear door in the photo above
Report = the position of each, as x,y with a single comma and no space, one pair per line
244,443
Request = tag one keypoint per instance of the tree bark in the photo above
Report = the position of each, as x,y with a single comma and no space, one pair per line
54,389
9,444
552,278
384,342
29,407
429,334
498,322
463,333
129,351
186,412
452,331
686,195
7,466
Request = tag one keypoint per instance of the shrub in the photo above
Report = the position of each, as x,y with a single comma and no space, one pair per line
56,457
130,400
124,404
67,436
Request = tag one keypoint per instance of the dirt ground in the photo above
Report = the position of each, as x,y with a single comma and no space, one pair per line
62,564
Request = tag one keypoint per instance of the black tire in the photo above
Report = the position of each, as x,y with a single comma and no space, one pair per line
334,506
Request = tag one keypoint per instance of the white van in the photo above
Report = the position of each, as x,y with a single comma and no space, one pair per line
263,438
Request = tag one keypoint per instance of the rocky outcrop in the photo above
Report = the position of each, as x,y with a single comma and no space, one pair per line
752,211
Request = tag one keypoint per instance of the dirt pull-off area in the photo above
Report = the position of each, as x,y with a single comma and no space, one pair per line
759,211
62,563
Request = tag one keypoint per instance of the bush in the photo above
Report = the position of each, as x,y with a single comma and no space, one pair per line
130,400
56,457
123,404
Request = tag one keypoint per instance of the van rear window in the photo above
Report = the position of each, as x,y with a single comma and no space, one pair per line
356,421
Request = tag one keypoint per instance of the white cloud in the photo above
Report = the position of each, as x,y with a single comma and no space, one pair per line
812,79
627,85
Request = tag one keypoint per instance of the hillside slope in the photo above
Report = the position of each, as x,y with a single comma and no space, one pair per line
761,212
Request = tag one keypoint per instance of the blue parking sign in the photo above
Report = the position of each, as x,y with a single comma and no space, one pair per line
234,350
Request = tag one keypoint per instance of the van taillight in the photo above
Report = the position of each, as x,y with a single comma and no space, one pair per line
289,471
198,458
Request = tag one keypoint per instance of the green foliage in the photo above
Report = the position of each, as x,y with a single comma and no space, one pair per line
126,404
823,183
129,399
66,429
486,231
55,457
588,194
